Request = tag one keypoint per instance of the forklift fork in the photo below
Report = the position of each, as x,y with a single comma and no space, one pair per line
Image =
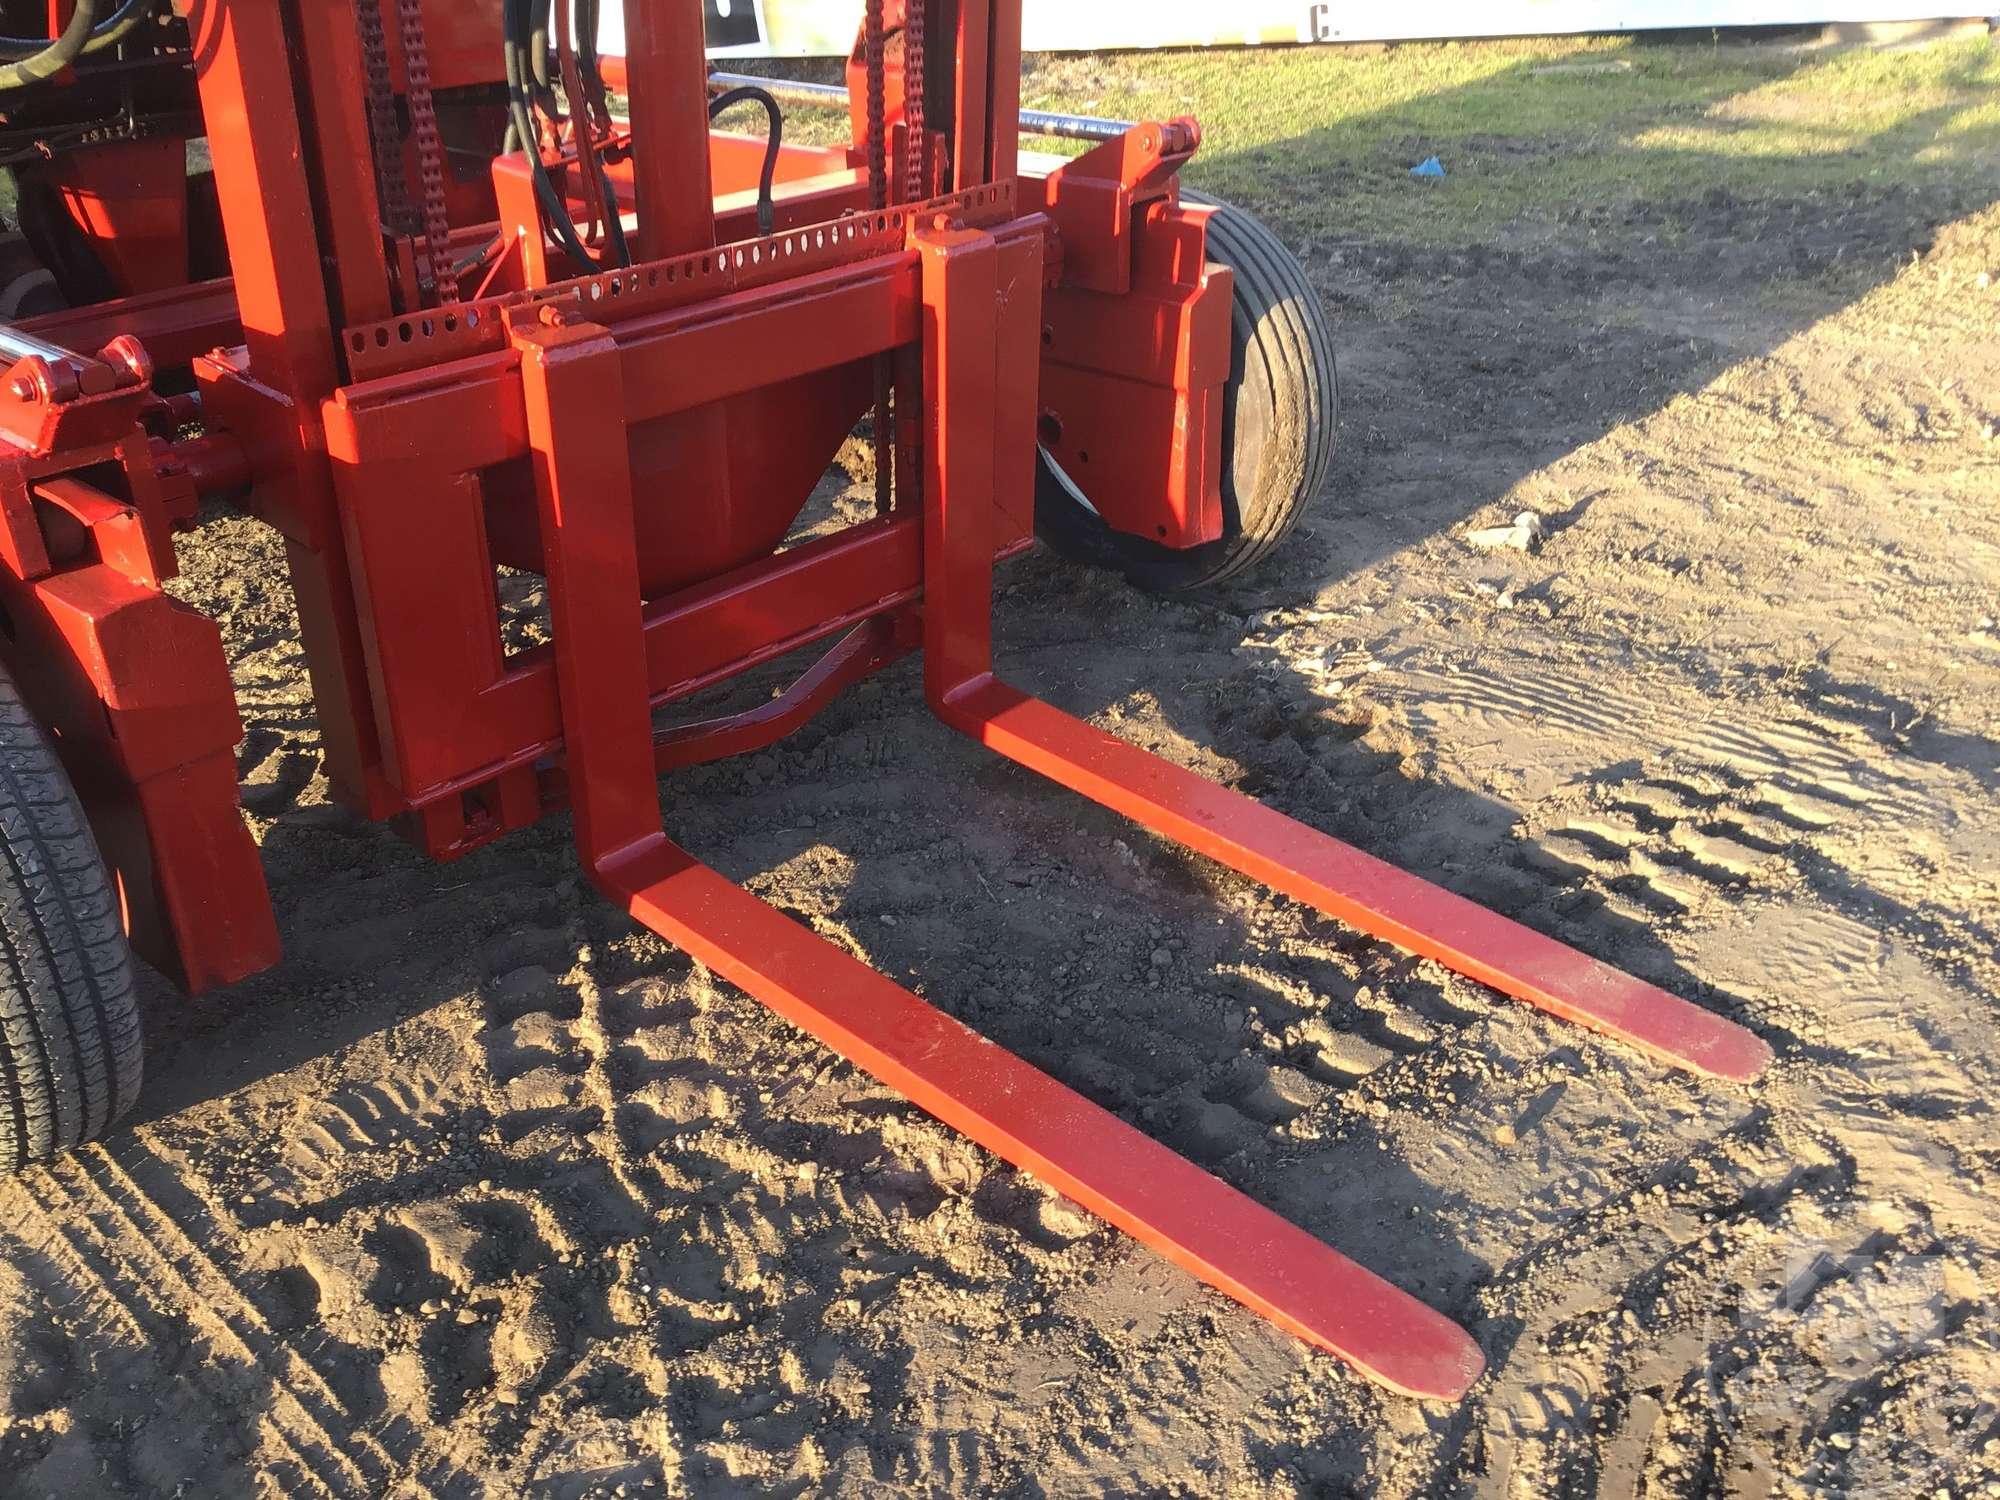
574,393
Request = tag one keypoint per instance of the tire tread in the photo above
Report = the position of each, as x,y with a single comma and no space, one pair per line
70,1040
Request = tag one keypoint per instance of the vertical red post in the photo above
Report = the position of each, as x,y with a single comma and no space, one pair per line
961,333
574,386
243,68
972,98
1003,101
667,75
346,201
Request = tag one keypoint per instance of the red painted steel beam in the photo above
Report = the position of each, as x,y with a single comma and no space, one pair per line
137,689
867,648
971,134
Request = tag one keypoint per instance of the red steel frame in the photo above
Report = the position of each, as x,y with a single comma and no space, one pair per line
615,432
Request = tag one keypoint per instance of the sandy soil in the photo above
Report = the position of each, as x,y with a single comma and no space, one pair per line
483,1192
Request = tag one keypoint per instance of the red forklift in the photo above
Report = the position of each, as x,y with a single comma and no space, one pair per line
419,292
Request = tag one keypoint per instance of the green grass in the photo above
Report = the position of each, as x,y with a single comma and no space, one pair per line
1530,130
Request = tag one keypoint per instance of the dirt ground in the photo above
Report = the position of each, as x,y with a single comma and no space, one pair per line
485,1192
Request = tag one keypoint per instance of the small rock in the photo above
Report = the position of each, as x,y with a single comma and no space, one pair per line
1161,958
1505,1136
1523,536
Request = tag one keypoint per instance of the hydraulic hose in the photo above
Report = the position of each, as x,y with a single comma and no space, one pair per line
587,114
40,67
587,16
516,19
129,18
541,82
767,211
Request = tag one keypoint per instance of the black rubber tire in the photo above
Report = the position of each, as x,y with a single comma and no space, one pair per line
70,1041
1279,412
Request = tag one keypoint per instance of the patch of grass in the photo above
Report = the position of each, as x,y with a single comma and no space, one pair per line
1530,129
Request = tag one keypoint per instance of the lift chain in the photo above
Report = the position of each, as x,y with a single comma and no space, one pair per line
397,214
878,106
915,187
430,147
878,197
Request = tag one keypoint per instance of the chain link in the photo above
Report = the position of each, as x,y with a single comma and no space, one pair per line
398,216
878,106
430,148
878,197
915,187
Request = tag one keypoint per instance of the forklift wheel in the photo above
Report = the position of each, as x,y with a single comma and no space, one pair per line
1277,425
69,1020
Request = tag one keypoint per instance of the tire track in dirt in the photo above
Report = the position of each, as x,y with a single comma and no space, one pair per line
1806,770
389,1447
1737,1304
124,1253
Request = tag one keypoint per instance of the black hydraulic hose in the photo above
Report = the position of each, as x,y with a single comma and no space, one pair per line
467,264
127,19
54,56
542,82
584,33
588,13
767,211
614,221
520,78
538,42
510,54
